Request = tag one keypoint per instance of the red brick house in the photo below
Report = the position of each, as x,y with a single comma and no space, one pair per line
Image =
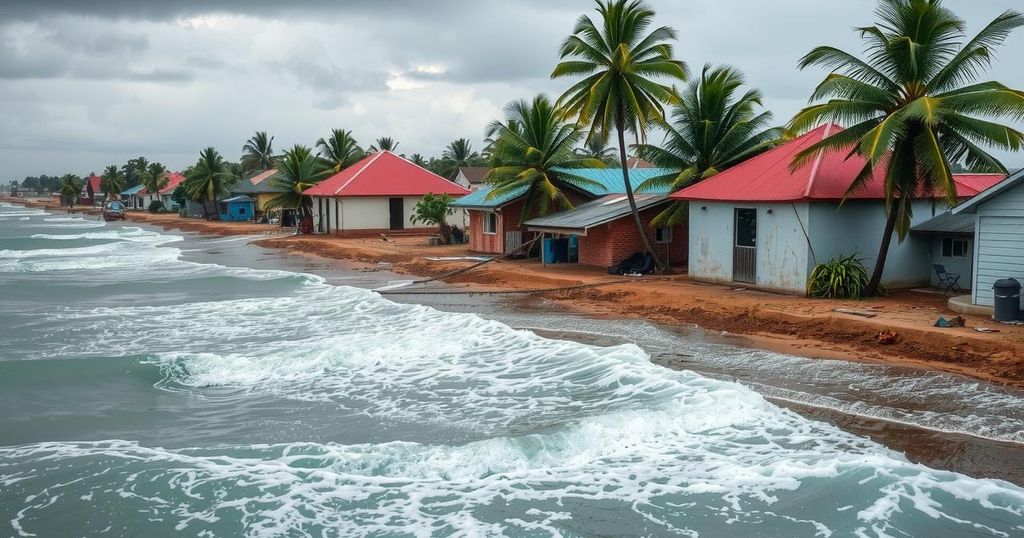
606,234
495,221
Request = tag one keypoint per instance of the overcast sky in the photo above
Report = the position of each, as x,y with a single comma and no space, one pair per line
86,84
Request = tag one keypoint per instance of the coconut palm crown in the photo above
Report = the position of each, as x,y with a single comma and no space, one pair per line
713,127
533,150
258,153
209,178
340,150
297,170
154,178
913,105
621,61
111,182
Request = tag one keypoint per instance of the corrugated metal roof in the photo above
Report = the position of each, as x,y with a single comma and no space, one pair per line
133,190
946,223
239,198
593,213
385,174
474,174
993,190
609,182
768,178
266,184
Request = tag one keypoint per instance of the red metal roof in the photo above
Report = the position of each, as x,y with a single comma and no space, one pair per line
173,180
767,177
385,174
94,182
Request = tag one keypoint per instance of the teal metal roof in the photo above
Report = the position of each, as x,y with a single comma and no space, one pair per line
610,180
133,190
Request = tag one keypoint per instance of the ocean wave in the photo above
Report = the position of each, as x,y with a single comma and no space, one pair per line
702,469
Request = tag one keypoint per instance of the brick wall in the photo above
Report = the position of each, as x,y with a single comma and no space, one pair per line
615,241
508,221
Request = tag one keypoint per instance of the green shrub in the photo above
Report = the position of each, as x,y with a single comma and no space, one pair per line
842,278
156,206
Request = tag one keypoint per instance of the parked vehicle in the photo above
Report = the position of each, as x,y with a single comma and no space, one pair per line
113,210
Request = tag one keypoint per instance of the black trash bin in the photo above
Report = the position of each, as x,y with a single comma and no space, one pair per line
1007,300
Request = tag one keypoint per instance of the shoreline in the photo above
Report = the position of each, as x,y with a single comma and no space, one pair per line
741,317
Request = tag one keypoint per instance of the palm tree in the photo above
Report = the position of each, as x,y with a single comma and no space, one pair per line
418,160
298,170
340,150
111,182
914,105
209,178
533,152
712,129
596,147
385,143
70,188
459,153
154,178
618,60
258,153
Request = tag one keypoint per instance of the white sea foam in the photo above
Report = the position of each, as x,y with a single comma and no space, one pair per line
540,436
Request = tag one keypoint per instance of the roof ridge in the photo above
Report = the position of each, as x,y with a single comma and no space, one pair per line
360,171
817,162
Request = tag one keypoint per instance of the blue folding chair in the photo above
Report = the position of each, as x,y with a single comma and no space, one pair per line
947,281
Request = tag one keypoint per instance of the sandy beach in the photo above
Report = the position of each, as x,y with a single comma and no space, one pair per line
751,318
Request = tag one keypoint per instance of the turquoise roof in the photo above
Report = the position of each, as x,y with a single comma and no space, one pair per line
610,180
133,190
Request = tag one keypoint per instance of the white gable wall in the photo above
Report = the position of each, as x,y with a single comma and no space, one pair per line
354,213
999,245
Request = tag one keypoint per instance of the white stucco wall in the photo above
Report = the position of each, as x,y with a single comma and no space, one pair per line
781,248
711,238
370,213
999,248
784,260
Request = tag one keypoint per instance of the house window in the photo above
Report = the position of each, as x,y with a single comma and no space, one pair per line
954,248
241,210
663,234
490,223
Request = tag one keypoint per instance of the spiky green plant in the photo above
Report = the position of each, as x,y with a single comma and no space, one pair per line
839,278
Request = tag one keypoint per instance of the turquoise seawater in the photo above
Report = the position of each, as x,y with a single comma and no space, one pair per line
145,395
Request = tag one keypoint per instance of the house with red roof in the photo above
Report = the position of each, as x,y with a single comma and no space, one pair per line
377,195
166,193
91,192
762,224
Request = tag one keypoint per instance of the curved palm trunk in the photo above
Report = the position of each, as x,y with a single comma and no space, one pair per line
629,191
883,253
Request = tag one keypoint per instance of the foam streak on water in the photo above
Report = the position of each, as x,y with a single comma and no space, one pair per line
457,425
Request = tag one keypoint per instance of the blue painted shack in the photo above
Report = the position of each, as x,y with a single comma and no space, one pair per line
237,208
999,236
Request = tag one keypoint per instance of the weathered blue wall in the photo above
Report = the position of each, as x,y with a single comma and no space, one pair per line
781,247
999,231
856,228
961,266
